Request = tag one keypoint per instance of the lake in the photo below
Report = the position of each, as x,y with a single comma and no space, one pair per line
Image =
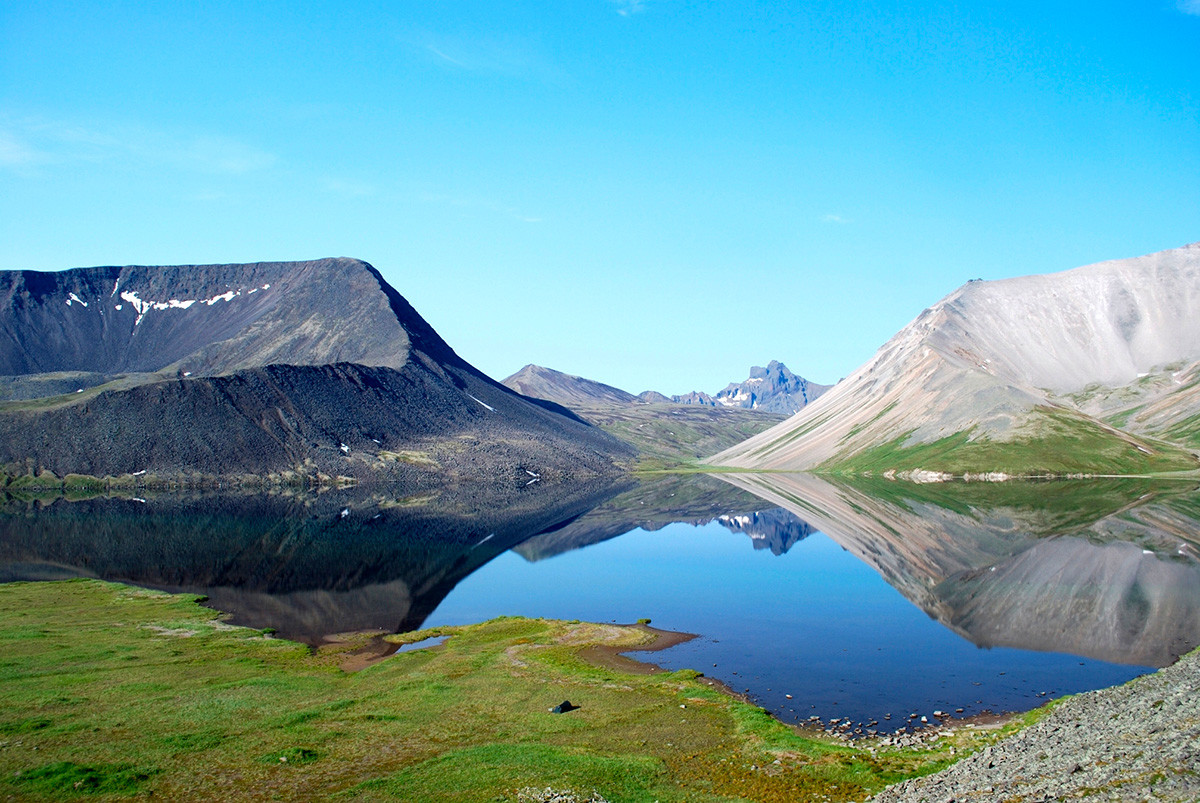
864,602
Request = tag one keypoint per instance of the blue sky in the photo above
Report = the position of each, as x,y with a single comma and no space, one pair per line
651,193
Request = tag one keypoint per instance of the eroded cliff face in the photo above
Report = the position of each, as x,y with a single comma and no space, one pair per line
220,370
992,358
1111,572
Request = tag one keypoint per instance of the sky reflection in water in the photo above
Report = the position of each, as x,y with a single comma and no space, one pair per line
815,622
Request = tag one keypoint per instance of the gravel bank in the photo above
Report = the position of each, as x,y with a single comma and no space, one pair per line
1140,741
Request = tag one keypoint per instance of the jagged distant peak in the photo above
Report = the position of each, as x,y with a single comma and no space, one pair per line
773,389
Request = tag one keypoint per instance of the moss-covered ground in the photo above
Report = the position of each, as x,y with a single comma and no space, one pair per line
110,692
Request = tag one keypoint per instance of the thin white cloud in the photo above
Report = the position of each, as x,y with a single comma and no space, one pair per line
445,57
31,143
1189,6
831,218
16,153
478,202
627,8
352,189
510,56
216,155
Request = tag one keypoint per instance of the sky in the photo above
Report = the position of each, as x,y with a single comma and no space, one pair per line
656,194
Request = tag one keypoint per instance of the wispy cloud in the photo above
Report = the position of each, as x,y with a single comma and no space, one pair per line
831,218
35,143
478,202
627,8
349,188
509,56
16,153
1189,6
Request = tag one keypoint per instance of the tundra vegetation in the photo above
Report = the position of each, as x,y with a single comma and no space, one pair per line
114,692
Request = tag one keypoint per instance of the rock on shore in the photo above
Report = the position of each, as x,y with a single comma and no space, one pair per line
1139,741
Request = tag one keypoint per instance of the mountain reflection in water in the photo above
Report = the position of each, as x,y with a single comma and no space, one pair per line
1105,570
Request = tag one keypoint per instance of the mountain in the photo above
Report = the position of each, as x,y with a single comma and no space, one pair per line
662,432
289,370
1029,375
772,389
565,389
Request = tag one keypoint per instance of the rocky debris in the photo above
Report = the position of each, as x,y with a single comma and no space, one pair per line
1139,741
549,795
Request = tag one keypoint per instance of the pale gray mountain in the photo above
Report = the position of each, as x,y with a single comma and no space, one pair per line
1001,376
298,369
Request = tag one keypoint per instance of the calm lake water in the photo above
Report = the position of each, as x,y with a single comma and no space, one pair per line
862,603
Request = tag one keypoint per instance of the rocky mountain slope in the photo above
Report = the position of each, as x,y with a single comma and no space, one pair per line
1132,742
1010,376
300,369
565,389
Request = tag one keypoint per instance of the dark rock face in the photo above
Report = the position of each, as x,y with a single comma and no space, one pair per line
316,367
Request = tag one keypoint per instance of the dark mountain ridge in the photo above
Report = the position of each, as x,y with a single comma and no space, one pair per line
297,369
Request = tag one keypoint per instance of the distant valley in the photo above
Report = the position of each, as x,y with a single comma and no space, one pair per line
682,427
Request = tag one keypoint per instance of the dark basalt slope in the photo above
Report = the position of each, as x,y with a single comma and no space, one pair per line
310,367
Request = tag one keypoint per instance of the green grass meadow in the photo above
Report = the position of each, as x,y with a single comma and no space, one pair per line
112,693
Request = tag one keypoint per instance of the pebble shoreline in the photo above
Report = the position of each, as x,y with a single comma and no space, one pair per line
1139,741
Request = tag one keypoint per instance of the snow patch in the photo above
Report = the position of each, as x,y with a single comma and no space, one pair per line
76,299
228,295
488,406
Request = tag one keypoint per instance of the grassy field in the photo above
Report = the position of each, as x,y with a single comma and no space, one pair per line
1053,443
113,692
